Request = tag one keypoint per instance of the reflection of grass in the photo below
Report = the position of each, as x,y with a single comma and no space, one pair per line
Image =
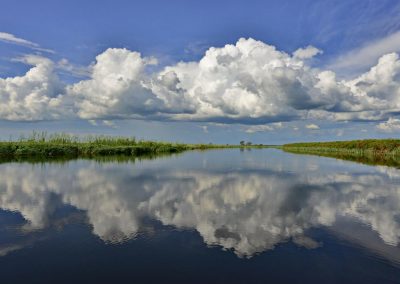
66,159
61,146
374,152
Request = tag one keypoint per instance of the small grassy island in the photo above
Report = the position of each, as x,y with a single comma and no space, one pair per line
371,151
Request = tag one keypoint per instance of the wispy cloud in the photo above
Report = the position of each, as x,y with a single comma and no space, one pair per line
107,123
367,55
263,128
307,52
312,126
74,70
205,128
10,38
196,48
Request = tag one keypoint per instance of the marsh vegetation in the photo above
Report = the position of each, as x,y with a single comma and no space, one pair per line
42,145
371,151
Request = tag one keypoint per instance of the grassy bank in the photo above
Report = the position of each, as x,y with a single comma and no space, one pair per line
41,145
372,151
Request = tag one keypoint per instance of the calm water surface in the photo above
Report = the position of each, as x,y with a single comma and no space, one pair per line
220,216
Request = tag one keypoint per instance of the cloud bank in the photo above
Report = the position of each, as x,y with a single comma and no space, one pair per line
250,82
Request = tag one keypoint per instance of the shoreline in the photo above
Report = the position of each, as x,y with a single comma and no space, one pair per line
65,146
41,147
370,151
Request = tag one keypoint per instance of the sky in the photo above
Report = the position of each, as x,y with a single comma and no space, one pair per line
201,71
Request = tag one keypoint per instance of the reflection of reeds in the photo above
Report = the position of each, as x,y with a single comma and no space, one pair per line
42,145
374,152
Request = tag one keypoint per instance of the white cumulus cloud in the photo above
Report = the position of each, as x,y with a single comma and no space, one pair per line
392,124
249,82
116,87
37,95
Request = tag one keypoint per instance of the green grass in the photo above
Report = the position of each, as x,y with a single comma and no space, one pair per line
41,145
372,151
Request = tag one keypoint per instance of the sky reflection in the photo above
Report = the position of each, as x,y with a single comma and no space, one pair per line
245,202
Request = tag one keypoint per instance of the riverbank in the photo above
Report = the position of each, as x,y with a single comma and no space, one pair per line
371,151
61,145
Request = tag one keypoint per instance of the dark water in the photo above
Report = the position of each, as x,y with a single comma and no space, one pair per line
226,216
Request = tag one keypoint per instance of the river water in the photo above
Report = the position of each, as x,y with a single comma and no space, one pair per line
218,216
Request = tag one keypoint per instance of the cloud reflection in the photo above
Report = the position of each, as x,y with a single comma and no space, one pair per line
247,211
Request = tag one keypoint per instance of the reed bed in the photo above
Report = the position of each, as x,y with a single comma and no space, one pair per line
41,144
372,151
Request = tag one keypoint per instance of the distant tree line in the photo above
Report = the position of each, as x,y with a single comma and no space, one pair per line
244,143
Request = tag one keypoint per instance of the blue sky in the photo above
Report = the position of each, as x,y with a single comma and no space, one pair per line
61,39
